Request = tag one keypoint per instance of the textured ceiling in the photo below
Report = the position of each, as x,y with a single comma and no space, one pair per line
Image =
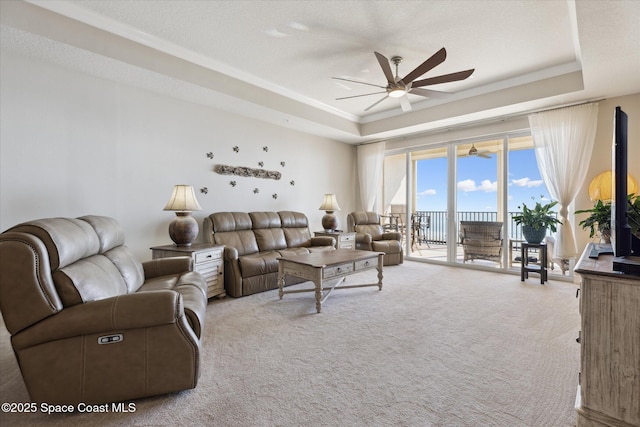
273,60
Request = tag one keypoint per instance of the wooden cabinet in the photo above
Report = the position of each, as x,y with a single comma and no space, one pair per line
609,392
207,260
344,239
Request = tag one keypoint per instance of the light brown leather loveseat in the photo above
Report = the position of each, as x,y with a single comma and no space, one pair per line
254,241
88,322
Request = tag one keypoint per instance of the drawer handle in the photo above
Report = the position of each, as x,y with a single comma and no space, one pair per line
338,269
209,256
366,263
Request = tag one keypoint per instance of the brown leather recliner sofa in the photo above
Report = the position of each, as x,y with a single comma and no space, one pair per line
88,322
254,241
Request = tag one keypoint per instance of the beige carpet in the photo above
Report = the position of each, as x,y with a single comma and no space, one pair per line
438,346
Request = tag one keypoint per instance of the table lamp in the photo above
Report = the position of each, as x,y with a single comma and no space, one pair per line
329,220
601,186
184,228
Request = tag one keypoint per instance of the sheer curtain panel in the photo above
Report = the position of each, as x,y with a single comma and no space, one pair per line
563,141
370,160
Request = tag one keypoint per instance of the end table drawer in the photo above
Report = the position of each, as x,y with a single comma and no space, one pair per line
337,270
207,256
345,238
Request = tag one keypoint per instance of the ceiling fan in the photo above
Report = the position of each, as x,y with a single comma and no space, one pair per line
399,87
474,152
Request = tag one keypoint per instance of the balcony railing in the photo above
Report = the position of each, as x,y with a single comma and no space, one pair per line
434,224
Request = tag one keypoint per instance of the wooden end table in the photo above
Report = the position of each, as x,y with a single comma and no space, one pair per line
328,266
207,260
344,239
527,268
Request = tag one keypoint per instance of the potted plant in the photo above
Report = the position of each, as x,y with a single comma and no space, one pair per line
599,219
536,221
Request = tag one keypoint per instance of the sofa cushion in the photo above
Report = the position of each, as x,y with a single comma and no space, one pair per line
90,279
130,268
270,239
234,229
387,246
296,228
295,251
265,220
67,239
375,230
230,221
109,232
260,263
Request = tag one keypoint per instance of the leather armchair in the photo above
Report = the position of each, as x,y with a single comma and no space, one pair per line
88,322
370,236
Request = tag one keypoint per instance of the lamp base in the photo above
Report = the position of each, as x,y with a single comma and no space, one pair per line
329,221
183,229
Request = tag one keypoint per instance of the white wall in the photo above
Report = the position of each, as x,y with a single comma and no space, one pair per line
72,144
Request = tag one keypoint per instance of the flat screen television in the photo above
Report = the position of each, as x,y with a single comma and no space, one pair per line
626,246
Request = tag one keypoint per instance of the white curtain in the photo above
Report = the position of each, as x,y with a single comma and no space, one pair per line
563,141
394,177
370,160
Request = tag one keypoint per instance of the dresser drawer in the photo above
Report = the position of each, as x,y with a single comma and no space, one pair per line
337,270
204,256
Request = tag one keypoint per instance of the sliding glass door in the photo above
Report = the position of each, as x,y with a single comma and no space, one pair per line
434,191
479,188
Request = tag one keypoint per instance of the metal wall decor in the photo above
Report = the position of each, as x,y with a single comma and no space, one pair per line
248,172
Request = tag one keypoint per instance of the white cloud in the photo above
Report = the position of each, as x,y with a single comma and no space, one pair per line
469,185
526,182
488,186
429,192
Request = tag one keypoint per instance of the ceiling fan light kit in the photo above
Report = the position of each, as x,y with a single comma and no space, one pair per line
399,87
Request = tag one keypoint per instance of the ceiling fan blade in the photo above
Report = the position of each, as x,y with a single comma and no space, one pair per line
404,103
445,78
483,155
357,81
358,96
430,93
376,103
436,59
386,68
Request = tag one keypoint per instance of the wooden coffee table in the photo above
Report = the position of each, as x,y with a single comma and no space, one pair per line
328,267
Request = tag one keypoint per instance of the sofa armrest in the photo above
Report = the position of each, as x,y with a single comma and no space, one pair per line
392,235
363,238
230,253
323,241
130,311
165,266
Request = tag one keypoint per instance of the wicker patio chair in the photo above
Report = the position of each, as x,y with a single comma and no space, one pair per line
481,240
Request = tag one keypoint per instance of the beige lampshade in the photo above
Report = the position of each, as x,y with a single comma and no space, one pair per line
601,186
329,203
183,199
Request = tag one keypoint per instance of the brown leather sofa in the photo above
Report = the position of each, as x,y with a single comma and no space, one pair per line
88,322
371,236
254,241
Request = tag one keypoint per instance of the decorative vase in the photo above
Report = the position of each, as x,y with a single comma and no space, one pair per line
532,235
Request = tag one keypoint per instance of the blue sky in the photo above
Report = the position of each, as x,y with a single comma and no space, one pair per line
477,183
